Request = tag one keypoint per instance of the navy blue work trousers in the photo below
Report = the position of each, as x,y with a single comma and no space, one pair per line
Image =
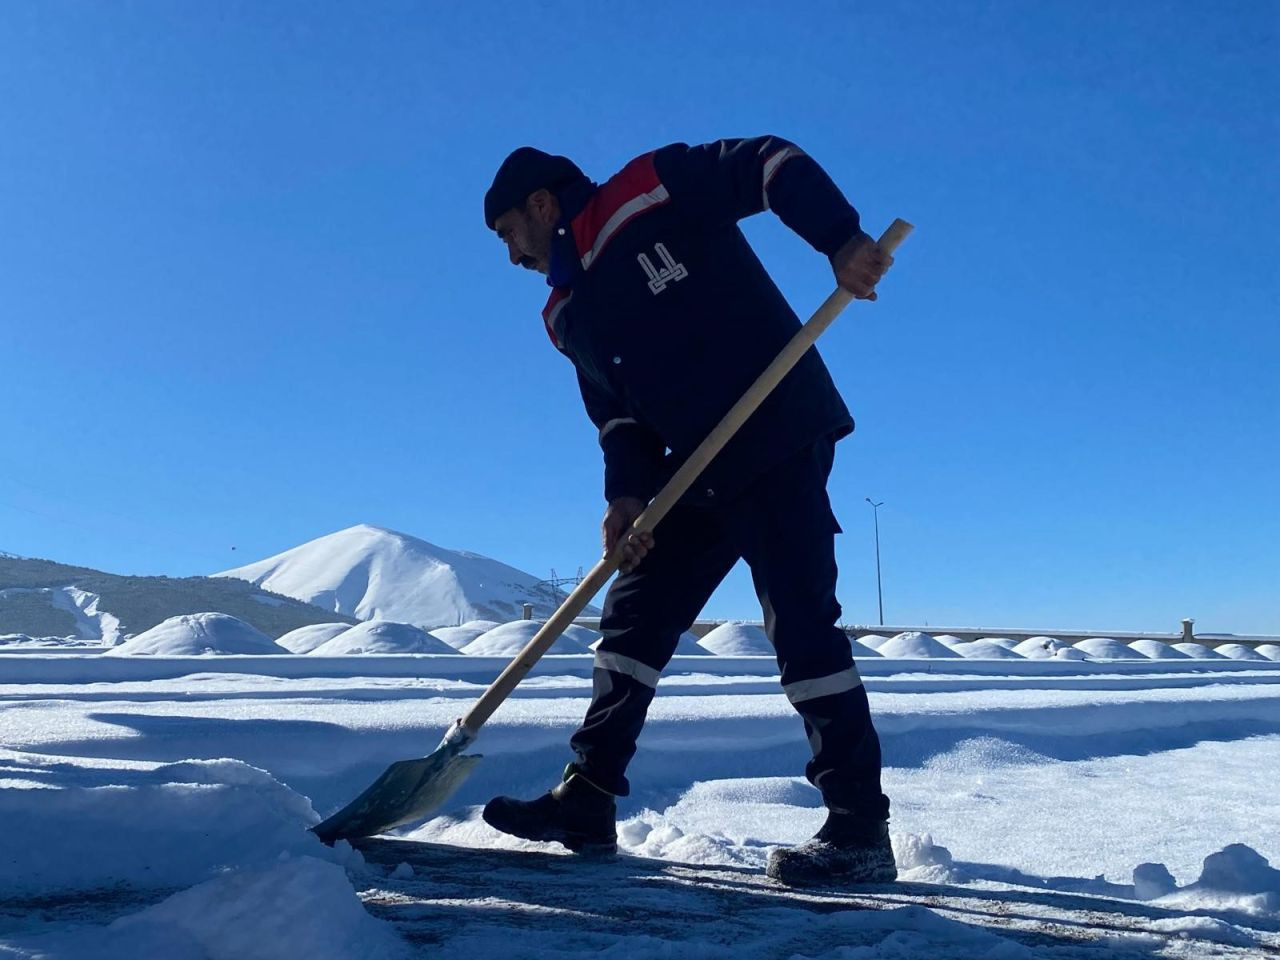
783,526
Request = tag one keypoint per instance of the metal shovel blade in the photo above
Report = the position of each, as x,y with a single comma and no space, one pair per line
407,790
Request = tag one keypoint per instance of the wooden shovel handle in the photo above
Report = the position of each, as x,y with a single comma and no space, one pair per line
674,489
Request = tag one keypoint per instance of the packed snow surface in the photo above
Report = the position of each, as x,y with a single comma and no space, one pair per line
305,639
510,638
914,645
193,634
738,640
382,636
162,814
372,573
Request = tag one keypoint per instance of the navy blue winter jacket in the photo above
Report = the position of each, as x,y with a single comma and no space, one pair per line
669,317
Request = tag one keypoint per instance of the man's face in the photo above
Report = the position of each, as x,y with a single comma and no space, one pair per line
527,234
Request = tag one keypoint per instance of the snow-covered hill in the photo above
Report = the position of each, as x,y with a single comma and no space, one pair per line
372,573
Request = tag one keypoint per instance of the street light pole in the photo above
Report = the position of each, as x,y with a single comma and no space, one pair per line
875,509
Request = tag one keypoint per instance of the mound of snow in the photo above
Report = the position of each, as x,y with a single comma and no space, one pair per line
1104,648
861,650
195,634
172,825
1238,651
949,639
738,640
1235,877
382,636
459,636
986,650
16,638
1005,642
1269,650
873,640
1198,651
510,638
689,646
914,645
583,635
1070,653
1157,650
372,573
305,639
1038,648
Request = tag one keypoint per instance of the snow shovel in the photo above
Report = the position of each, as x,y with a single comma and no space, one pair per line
411,789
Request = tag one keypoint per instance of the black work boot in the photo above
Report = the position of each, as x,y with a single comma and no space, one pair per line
575,813
847,850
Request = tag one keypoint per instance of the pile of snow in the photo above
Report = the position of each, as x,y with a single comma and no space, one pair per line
1070,653
1104,648
738,640
196,634
305,639
985,650
372,573
382,636
914,645
1269,650
459,636
861,650
510,638
1236,877
1039,648
1238,651
583,635
1005,642
875,641
1157,650
264,886
689,646
1198,651
949,639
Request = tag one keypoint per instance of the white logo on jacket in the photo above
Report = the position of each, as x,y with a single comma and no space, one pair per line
669,272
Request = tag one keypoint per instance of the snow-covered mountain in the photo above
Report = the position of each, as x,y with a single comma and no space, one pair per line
372,573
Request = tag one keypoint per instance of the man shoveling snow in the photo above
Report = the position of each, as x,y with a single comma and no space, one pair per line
668,317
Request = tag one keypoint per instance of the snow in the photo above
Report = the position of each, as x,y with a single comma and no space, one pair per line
948,639
381,636
1157,650
510,638
1040,808
372,573
1197,650
458,637
195,634
689,646
1269,650
737,639
1070,653
1005,642
1038,648
861,651
583,636
1238,651
915,645
305,639
986,650
875,640
1104,648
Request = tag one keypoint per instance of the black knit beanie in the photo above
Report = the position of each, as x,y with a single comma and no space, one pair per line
524,171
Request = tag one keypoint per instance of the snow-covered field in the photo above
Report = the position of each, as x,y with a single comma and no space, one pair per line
157,807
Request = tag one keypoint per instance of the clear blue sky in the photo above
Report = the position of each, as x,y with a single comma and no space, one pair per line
247,297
